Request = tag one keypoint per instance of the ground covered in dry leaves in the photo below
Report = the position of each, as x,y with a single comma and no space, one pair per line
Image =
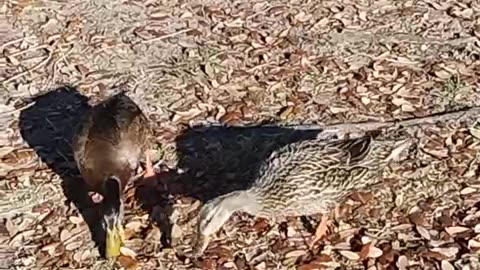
188,63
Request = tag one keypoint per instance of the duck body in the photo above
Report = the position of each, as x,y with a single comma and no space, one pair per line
303,178
108,146
111,141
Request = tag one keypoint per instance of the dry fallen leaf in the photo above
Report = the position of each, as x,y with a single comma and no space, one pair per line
73,245
456,230
295,253
185,116
310,266
447,266
65,235
473,244
321,229
423,232
402,262
475,131
468,190
477,228
50,248
375,252
127,262
349,255
128,252
449,252
76,220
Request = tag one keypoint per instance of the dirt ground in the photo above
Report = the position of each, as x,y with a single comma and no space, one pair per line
191,63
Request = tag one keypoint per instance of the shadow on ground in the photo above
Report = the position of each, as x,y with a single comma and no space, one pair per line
48,127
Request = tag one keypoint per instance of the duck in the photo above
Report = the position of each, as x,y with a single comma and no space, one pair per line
109,144
301,179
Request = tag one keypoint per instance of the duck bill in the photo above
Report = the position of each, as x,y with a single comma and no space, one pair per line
113,217
114,240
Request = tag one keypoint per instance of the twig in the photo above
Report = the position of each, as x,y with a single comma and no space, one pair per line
166,36
37,66
11,42
17,110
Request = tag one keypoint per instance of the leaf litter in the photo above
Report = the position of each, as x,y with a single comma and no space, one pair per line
241,62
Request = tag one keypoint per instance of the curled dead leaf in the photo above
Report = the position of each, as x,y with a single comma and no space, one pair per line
353,256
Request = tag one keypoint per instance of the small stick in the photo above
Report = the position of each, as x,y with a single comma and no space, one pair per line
166,36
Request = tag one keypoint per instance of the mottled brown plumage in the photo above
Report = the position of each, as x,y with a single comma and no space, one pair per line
303,178
108,146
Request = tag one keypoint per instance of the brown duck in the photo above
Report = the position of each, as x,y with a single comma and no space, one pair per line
108,146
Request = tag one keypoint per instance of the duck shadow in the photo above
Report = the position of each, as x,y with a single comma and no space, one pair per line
48,127
216,160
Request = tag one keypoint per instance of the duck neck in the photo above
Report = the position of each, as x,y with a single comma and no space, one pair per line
217,211
242,201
